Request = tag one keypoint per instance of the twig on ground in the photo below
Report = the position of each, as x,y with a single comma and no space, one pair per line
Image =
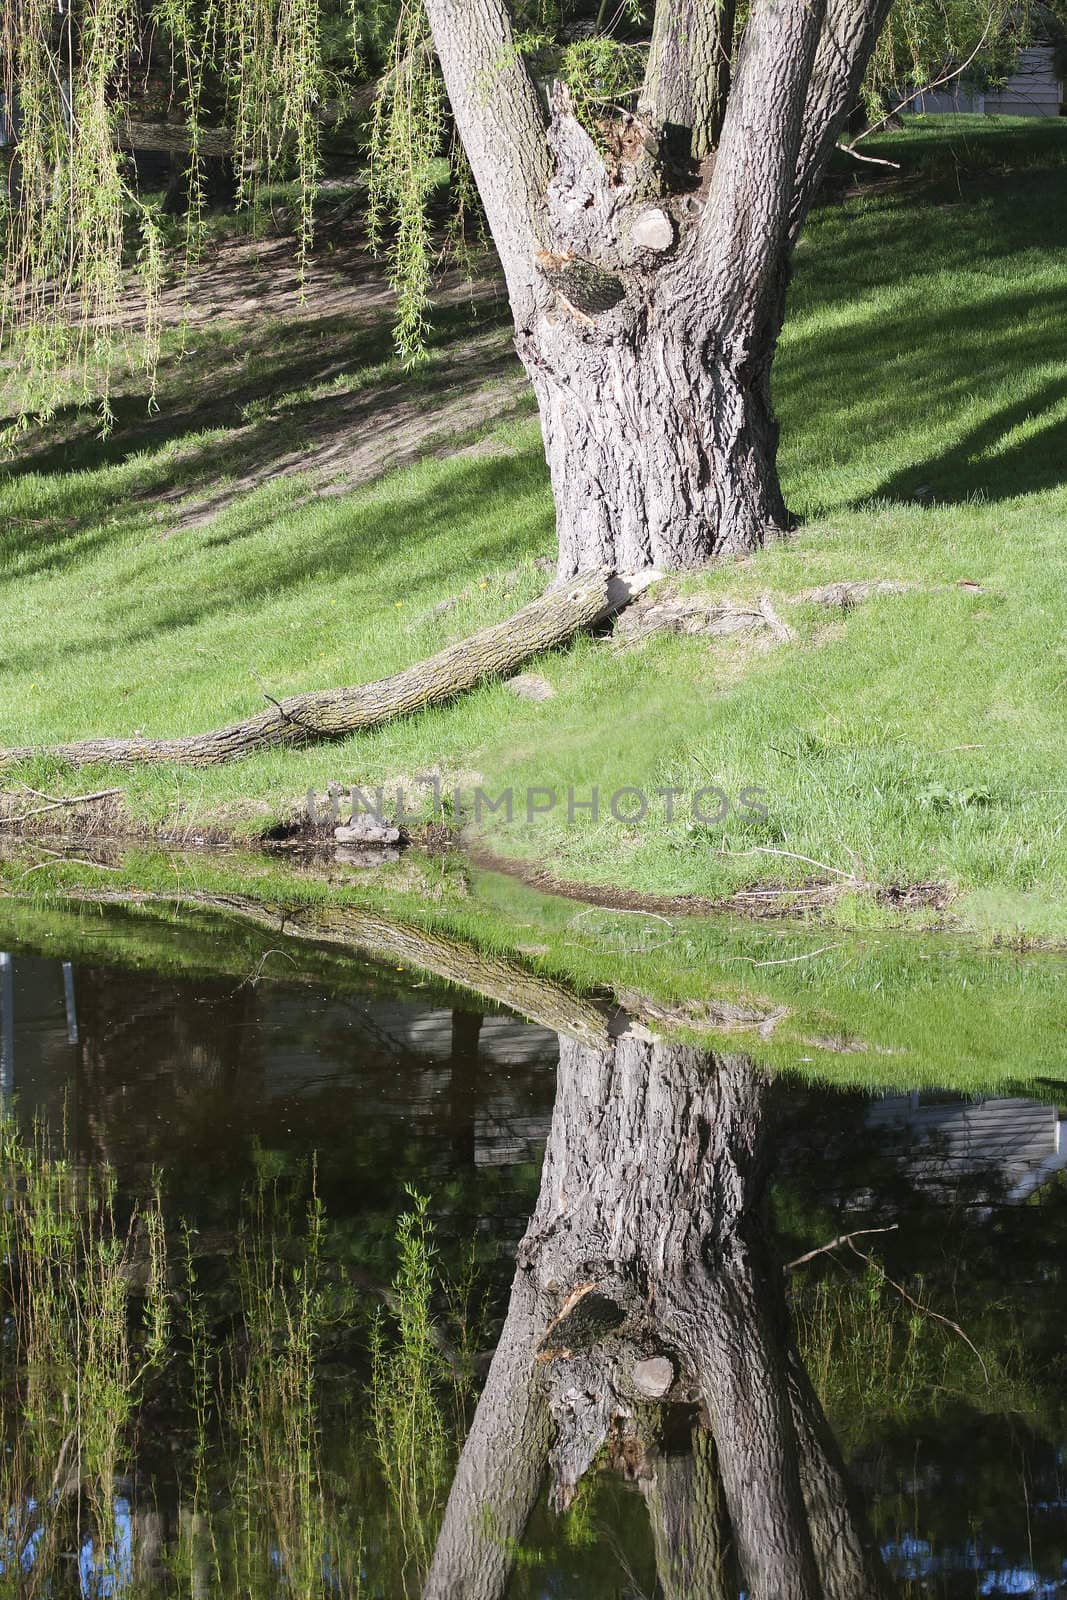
38,794
772,850
57,805
875,161
780,629
787,961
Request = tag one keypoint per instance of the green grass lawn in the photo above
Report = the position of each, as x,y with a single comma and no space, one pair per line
922,387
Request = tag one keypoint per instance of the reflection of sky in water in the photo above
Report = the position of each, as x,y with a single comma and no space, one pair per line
108,1572
914,1560
102,1573
29,1549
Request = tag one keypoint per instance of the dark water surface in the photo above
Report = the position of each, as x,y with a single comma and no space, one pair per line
935,1349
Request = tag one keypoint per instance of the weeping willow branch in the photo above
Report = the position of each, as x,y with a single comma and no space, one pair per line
70,217
407,135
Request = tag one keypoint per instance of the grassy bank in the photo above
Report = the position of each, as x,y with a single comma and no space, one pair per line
916,739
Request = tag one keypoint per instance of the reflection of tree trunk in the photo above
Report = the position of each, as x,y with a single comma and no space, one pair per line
463,1084
690,1533
647,1297
500,1471
848,1557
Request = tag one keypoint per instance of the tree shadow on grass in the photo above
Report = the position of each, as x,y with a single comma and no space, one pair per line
982,466
266,417
231,381
450,524
898,377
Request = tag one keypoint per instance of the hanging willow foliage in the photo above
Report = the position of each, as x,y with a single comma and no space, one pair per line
65,200
73,226
72,222
406,140
926,40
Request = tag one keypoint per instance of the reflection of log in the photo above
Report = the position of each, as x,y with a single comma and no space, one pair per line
539,999
323,714
653,1199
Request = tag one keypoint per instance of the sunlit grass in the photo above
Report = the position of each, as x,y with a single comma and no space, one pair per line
922,384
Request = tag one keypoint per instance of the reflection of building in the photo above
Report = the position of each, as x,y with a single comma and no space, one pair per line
1005,1147
194,1075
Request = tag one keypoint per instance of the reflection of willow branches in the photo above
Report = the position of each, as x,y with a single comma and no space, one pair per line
874,1352
648,1329
409,1428
74,1358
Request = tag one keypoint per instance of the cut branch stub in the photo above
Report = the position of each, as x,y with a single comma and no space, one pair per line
652,229
652,1378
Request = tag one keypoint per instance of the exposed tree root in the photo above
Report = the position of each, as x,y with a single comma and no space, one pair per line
325,714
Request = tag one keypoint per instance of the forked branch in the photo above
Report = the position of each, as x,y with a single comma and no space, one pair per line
501,124
849,34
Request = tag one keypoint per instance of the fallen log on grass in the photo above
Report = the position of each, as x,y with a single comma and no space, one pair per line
324,714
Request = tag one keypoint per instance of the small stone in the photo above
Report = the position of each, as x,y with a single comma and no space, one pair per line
530,686
652,1378
365,829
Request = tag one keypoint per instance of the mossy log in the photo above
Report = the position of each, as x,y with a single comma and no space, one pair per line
324,714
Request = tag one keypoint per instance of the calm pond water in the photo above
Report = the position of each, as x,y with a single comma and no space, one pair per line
274,1417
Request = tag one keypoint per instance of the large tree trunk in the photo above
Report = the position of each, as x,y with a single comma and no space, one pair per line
662,450
648,295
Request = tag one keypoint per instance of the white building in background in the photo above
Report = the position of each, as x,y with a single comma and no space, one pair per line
1033,90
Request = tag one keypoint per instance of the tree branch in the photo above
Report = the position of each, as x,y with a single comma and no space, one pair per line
324,714
500,121
849,34
746,220
687,78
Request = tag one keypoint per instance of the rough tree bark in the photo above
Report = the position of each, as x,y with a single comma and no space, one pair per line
647,311
648,1303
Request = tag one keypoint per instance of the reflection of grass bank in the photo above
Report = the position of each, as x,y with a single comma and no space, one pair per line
917,740
871,1007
